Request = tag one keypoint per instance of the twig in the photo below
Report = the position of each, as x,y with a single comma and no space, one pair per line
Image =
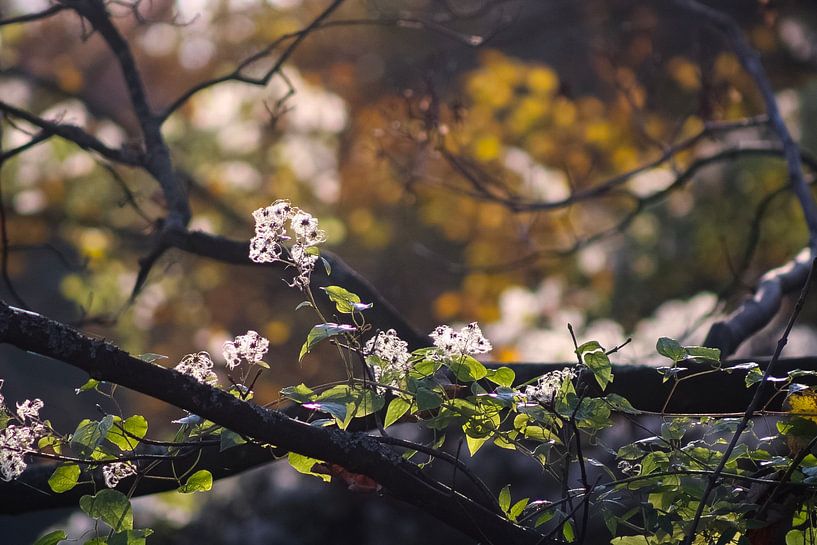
454,461
29,17
753,405
4,239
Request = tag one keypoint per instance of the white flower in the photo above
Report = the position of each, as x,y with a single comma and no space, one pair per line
548,384
270,233
116,471
250,347
305,261
389,348
392,363
468,340
265,248
198,366
29,409
271,219
15,442
2,399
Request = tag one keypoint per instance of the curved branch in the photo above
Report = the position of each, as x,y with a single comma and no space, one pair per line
236,252
357,452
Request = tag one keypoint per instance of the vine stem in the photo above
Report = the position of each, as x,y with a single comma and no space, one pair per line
750,410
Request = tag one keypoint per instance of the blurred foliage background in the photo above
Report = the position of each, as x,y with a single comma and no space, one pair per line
417,141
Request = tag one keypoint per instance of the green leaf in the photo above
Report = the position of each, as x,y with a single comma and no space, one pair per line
670,348
505,498
568,531
200,481
544,517
599,363
326,265
126,434
424,368
91,384
475,443
303,304
620,404
345,301
304,464
64,478
300,393
89,435
427,399
796,537
111,507
753,376
130,537
367,402
654,461
321,332
97,541
704,353
503,376
50,441
150,357
629,540
517,508
467,369
589,346
397,408
230,439
52,538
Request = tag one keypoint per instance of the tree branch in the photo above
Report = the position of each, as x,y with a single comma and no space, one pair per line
750,60
29,17
356,452
157,159
237,252
77,135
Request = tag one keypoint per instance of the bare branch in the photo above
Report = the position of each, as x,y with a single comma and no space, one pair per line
750,60
30,17
156,159
77,135
236,75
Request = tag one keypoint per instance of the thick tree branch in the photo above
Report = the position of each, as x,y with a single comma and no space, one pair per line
357,452
757,311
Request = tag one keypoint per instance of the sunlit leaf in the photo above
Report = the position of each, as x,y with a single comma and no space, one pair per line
64,478
321,332
111,507
200,481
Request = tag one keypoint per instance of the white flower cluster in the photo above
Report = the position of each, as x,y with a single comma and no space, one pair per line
17,440
198,366
392,351
548,384
467,341
250,347
270,232
116,471
29,409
